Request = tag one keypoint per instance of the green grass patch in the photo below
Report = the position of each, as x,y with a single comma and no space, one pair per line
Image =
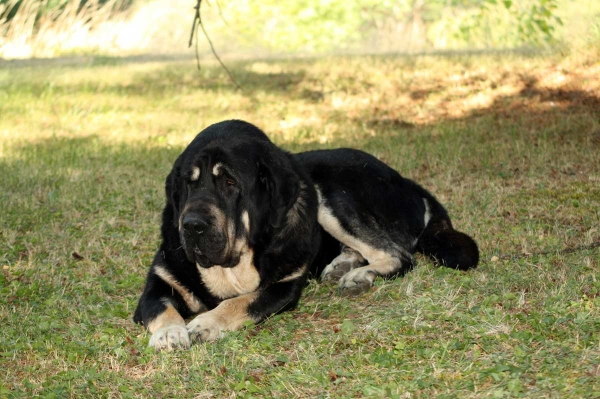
509,144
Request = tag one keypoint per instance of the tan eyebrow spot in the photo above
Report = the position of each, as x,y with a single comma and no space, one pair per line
246,221
217,168
195,174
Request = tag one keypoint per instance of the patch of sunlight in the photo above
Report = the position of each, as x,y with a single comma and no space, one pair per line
264,68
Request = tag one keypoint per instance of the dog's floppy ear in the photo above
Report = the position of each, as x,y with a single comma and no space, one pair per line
173,191
283,187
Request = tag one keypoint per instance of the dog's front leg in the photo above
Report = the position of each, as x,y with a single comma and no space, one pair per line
233,313
162,308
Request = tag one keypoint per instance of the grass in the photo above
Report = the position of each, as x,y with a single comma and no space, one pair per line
510,144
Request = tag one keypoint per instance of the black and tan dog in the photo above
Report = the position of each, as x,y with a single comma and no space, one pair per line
240,232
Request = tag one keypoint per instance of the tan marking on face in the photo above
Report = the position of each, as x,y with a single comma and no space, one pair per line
297,274
235,245
170,316
190,299
246,221
195,174
227,282
230,315
222,224
217,168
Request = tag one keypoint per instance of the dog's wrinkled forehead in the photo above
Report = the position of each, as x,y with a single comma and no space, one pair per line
217,159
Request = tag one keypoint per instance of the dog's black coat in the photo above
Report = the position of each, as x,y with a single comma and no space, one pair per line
230,171
240,232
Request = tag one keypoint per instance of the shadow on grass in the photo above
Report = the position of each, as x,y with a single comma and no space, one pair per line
568,110
68,187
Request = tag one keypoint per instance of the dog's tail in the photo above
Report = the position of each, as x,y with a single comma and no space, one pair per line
440,242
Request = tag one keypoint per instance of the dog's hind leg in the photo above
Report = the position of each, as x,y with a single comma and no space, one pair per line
347,260
365,245
360,279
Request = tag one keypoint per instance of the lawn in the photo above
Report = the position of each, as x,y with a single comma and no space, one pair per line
509,143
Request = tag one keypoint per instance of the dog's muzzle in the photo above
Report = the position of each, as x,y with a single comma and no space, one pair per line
204,242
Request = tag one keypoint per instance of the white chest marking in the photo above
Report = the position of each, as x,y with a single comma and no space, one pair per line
229,282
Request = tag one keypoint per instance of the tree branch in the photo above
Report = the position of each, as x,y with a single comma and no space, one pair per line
198,22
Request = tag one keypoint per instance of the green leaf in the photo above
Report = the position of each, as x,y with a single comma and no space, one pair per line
347,327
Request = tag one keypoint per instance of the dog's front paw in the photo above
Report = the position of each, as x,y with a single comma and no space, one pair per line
205,327
357,281
169,338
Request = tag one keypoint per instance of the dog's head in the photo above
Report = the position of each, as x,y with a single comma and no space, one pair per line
229,189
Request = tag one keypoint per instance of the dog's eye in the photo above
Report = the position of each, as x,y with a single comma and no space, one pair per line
229,182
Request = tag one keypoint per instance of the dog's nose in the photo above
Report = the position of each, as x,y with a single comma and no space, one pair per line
194,223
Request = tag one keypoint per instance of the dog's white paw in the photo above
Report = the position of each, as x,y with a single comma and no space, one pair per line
170,337
334,271
357,281
205,327
342,264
